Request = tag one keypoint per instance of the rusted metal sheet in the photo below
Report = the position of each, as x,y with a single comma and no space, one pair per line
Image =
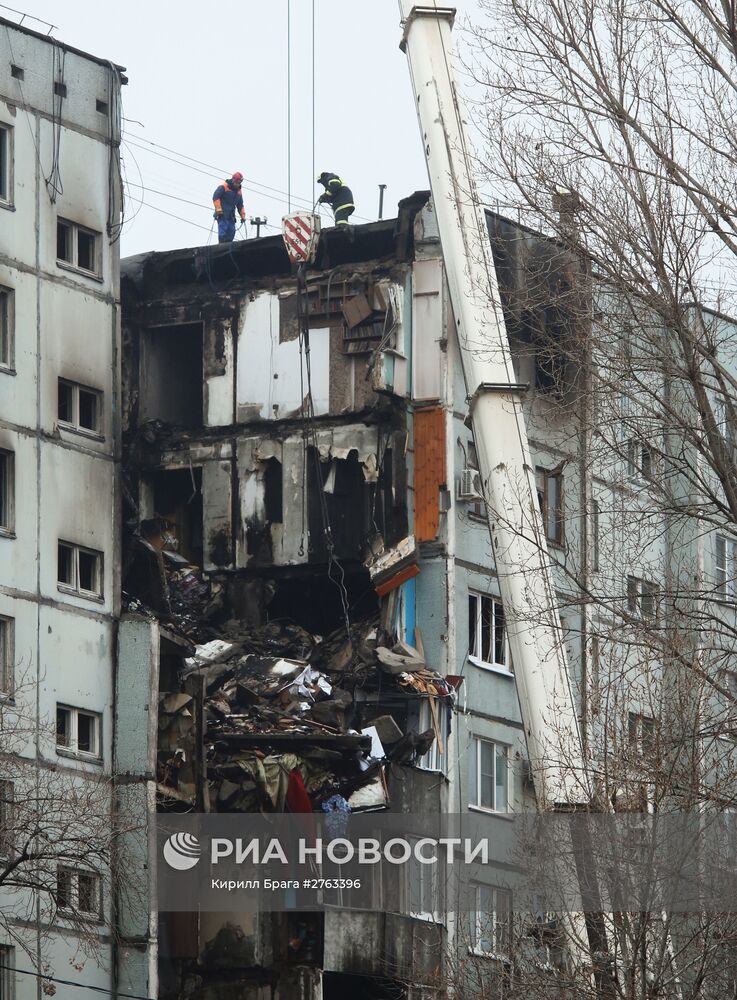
430,475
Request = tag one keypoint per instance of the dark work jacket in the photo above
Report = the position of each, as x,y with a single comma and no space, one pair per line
229,200
339,195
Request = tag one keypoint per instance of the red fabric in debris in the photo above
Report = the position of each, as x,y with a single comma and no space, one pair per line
298,801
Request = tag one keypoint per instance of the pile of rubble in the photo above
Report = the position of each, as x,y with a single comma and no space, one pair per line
159,581
288,715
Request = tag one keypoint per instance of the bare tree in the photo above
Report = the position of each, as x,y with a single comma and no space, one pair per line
610,127
65,849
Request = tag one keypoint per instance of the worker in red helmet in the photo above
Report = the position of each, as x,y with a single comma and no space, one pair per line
228,200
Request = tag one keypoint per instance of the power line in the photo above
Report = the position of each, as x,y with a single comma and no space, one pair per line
174,197
210,170
207,172
165,194
80,986
171,215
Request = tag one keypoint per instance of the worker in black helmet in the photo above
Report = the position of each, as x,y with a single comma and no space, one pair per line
338,195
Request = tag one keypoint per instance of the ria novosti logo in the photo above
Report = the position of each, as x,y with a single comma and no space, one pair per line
182,851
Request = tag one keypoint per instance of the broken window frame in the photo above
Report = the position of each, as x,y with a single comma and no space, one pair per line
70,748
475,508
434,759
74,877
7,329
74,587
71,248
7,656
485,923
498,750
7,493
494,611
6,164
552,516
74,424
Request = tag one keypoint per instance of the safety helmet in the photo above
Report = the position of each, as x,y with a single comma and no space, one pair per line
322,177
237,177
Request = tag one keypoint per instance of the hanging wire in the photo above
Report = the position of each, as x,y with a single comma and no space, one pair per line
312,181
289,104
336,573
53,182
115,170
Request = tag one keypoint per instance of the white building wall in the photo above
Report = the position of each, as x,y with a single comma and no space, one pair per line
66,325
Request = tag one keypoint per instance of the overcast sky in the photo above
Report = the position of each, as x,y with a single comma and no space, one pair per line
209,81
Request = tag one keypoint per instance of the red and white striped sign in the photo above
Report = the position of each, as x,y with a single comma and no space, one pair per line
300,233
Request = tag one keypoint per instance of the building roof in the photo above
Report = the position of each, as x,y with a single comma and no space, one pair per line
267,256
4,22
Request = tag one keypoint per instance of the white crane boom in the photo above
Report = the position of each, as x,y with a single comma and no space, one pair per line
518,540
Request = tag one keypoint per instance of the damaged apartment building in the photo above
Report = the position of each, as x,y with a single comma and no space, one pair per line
308,589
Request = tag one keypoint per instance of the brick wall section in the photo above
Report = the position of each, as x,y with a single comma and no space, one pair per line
429,449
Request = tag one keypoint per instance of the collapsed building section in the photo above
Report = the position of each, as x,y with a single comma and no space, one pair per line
269,577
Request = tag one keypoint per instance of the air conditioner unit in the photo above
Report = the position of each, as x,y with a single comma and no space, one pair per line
469,487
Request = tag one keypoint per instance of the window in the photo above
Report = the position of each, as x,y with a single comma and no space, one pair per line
273,491
424,888
728,680
17,72
640,460
79,570
477,508
595,535
595,673
725,425
641,731
487,633
79,407
101,107
77,246
433,715
491,786
7,818
642,597
6,164
491,921
7,654
550,498
726,556
7,972
7,492
78,732
625,348
78,891
60,89
6,328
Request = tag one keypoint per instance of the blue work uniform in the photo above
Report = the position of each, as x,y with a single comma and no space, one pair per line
227,200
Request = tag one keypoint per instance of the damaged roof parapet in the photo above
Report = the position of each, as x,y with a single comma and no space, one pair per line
266,257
